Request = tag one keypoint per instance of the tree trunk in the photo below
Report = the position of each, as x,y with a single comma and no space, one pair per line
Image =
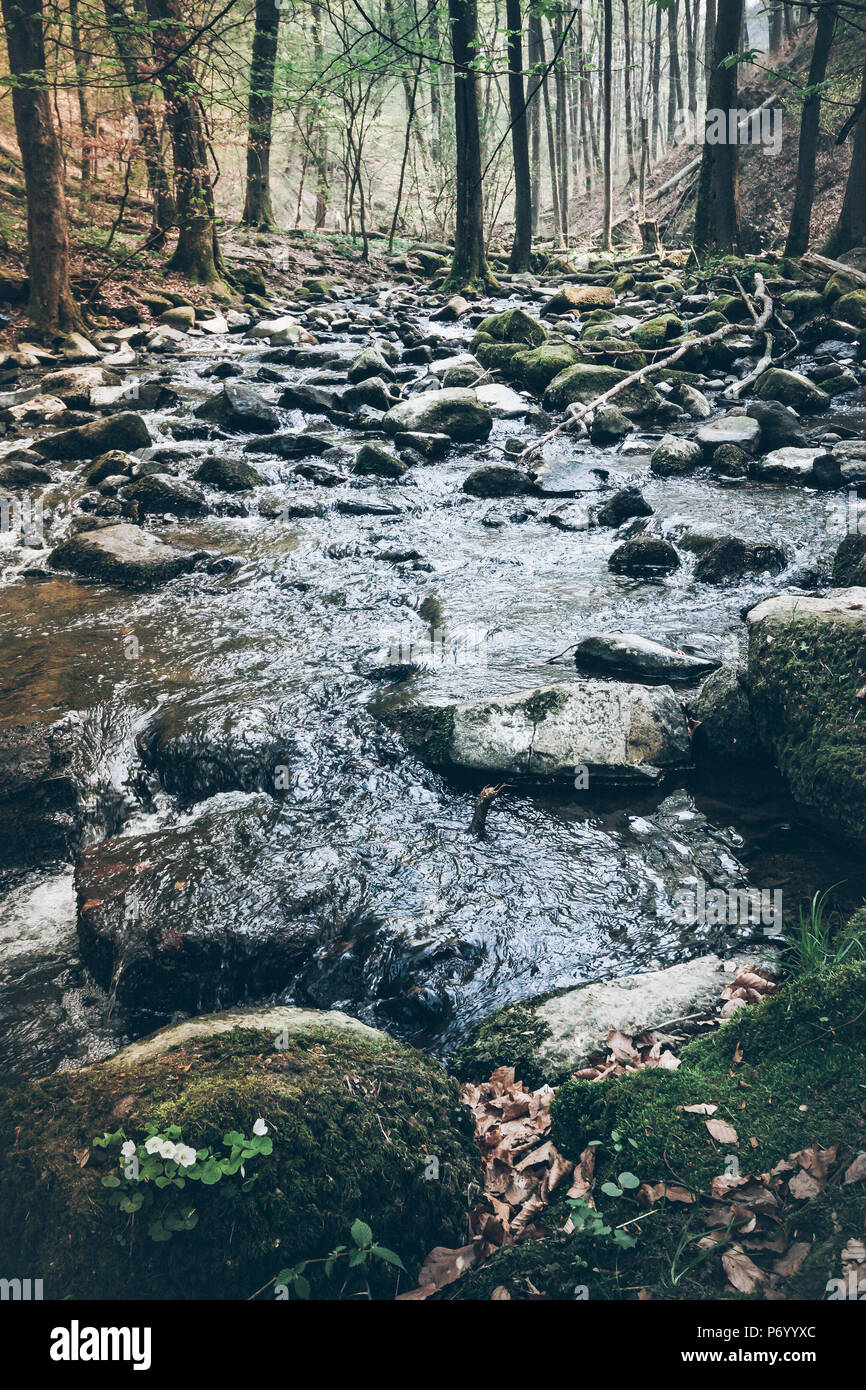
88,125
197,252
257,205
51,308
132,56
534,61
709,39
470,262
560,86
551,149
656,82
850,230
675,85
608,123
629,118
320,136
801,214
775,28
521,249
717,215
692,16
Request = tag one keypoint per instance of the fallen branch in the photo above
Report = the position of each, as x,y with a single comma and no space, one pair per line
486,798
733,392
575,413
826,264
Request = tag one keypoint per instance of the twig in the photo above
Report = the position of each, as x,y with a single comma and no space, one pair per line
486,798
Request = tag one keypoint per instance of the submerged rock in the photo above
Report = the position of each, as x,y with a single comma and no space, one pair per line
626,503
733,558
353,1121
807,675
497,480
124,555
202,748
618,732
628,654
644,557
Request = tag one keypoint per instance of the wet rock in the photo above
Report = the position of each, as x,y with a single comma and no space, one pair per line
512,326
123,431
23,475
609,424
39,793
741,430
228,474
280,330
572,297
675,456
536,367
502,402
814,467
457,413
124,555
582,384
732,558
189,916
644,557
159,493
370,362
568,517
497,480
638,658
724,727
429,446
626,503
201,748
780,425
730,461
654,333
849,562
379,462
291,444
693,401
180,316
240,409
116,461
373,391
791,388
619,732
806,678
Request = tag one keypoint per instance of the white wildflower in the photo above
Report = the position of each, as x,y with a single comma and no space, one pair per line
127,1149
152,1145
167,1149
260,1127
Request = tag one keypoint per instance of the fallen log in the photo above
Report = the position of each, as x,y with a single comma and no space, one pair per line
835,266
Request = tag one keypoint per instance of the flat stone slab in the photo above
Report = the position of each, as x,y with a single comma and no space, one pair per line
580,1020
283,1018
123,554
741,430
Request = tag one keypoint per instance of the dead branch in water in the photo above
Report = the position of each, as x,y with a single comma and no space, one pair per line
486,798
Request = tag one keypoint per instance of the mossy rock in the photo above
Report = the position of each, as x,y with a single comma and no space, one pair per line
535,368
807,669
623,282
731,307
658,331
582,384
710,322
851,308
803,304
839,285
510,1037
799,1083
849,562
611,352
495,356
353,1121
514,326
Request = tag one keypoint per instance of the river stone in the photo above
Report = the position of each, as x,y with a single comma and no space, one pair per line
497,480
536,367
572,297
724,728
791,388
22,474
458,413
620,732
638,658
580,1020
849,561
240,409
692,401
75,385
354,1121
732,558
582,384
814,467
626,503
645,557
806,680
378,462
370,362
608,424
429,446
39,793
780,425
741,430
199,749
228,474
512,326
502,402
122,554
280,330
160,492
283,1020
123,431
674,456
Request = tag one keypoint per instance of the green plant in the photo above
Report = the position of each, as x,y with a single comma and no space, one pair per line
358,1257
820,941
163,1164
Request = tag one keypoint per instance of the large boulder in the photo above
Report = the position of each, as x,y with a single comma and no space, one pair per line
618,732
457,413
536,367
512,326
731,558
638,658
577,297
123,431
723,729
582,384
358,1128
791,388
806,675
125,555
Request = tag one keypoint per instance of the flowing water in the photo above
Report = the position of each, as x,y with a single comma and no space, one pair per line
417,925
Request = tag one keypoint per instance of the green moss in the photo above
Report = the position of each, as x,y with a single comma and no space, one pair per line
510,1037
353,1122
851,308
494,356
654,333
514,326
848,567
804,677
536,367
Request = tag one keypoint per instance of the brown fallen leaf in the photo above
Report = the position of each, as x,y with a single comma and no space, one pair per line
856,1171
722,1131
500,1294
791,1261
803,1186
742,1272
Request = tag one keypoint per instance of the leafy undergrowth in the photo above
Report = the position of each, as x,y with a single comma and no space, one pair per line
739,1174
